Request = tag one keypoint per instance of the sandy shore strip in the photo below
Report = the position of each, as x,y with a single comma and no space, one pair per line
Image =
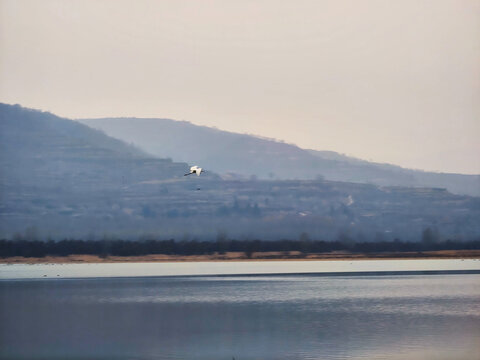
240,256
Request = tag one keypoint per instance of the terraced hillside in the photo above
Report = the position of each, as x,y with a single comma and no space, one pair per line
60,179
246,155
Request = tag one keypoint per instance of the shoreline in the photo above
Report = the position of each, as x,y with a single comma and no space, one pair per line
240,256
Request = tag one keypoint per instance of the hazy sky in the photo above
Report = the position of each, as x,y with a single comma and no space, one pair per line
390,81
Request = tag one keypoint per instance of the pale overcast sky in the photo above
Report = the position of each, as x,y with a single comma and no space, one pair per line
390,81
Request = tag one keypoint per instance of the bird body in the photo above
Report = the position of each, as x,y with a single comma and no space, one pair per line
195,170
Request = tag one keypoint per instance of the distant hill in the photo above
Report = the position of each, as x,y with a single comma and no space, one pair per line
233,154
41,149
60,178
50,165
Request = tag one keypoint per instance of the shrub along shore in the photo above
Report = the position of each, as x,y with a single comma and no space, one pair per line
70,250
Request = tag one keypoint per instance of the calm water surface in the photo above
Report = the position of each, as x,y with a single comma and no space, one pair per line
26,271
246,317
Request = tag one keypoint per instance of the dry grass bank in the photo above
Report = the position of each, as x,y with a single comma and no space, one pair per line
240,256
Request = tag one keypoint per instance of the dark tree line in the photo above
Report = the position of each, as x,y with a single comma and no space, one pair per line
30,248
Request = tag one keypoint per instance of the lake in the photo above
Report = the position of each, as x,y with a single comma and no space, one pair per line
72,270
367,314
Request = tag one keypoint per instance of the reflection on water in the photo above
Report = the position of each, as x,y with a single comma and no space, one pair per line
263,317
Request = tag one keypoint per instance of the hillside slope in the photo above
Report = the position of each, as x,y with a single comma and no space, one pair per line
59,178
43,150
51,167
225,152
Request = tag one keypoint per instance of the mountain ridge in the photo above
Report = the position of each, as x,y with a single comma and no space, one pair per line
60,179
252,156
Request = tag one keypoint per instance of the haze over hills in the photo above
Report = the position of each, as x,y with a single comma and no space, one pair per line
41,149
55,171
60,179
250,156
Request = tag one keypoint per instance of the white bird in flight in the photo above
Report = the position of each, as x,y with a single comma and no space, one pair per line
195,170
